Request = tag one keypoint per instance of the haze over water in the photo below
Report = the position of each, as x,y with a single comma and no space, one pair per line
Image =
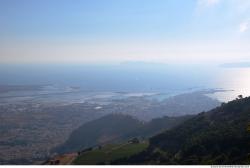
85,44
134,77
236,79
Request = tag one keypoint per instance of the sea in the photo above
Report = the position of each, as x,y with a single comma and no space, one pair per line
81,82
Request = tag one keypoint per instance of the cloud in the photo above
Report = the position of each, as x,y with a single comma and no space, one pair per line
205,5
244,26
242,6
208,3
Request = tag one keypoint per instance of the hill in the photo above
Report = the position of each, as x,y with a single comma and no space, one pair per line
115,128
108,153
220,136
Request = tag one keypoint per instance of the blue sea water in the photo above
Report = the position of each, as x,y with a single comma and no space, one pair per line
124,77
132,77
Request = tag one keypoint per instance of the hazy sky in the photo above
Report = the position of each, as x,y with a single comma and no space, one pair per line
107,31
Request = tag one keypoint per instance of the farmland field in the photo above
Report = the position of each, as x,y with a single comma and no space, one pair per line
109,153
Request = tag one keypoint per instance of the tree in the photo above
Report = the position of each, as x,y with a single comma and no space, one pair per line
240,96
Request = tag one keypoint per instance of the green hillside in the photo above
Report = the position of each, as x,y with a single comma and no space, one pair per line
110,153
219,136
115,128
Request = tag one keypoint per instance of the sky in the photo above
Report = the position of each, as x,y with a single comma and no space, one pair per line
114,31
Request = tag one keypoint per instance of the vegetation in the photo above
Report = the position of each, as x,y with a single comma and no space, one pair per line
220,136
110,128
108,153
115,128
